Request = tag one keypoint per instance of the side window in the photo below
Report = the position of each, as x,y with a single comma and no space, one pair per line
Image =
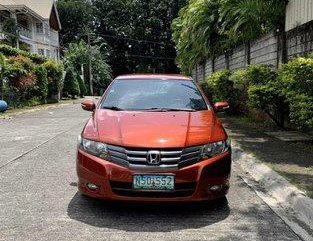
39,27
41,52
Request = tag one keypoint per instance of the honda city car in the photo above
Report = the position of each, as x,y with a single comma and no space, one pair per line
154,138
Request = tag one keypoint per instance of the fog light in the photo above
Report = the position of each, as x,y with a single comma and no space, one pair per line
216,188
92,186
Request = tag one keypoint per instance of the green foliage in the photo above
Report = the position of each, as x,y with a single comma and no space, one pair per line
41,87
209,27
117,26
77,55
259,74
71,86
75,16
195,32
220,87
54,75
264,92
9,27
20,73
243,20
10,51
82,86
25,77
297,83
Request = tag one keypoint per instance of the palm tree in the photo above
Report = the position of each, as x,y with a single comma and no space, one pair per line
248,19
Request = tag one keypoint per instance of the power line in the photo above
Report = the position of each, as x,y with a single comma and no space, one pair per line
149,57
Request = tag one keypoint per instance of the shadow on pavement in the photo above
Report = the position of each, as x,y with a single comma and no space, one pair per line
146,217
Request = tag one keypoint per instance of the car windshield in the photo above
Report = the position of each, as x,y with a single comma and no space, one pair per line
154,95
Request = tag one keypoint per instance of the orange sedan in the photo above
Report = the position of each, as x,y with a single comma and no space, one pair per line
154,138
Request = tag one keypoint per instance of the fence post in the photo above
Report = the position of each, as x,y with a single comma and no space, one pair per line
247,53
203,70
213,63
227,59
284,47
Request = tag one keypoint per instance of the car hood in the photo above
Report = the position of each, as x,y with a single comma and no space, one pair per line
154,129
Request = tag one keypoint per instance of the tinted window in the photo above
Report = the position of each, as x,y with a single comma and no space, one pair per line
150,94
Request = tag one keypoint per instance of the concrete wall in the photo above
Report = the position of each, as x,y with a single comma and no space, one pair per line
237,59
264,50
269,49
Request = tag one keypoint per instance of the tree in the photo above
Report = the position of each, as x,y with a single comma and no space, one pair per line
75,17
134,34
9,28
41,87
82,86
77,55
71,86
209,27
195,32
244,20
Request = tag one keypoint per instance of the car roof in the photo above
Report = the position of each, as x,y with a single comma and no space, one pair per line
153,76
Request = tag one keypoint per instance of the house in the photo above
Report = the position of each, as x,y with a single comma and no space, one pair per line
38,25
298,12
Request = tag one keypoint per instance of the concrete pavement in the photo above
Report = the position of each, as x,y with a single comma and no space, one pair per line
39,199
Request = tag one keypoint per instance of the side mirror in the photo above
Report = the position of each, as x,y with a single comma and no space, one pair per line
221,106
88,105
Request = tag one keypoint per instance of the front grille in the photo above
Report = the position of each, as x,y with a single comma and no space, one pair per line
136,158
181,190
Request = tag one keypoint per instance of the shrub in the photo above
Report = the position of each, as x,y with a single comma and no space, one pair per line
241,84
82,86
264,92
297,84
9,28
10,51
221,88
71,86
20,72
54,75
220,85
41,88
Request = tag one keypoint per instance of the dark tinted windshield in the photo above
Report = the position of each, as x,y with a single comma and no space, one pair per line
154,95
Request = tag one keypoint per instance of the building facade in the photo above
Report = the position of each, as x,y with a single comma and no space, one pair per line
298,12
38,25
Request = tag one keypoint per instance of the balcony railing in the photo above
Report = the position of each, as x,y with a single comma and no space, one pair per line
25,32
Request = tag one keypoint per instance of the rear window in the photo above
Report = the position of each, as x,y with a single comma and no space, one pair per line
153,94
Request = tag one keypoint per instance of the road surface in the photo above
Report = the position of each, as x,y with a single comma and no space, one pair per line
39,198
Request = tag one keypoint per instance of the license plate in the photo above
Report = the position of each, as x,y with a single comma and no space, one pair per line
154,182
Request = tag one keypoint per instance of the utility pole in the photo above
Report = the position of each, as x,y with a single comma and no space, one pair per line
89,56
89,64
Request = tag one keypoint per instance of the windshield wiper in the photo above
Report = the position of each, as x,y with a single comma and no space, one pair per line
168,109
112,108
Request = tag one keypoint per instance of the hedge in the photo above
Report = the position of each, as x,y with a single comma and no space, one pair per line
27,78
71,85
287,92
297,82
10,51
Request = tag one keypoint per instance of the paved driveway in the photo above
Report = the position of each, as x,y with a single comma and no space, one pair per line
39,199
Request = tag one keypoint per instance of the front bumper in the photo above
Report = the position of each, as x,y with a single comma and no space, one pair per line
192,183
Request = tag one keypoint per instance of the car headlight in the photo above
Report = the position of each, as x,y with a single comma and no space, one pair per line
95,148
215,148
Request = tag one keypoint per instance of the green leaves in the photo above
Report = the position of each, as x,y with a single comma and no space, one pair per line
209,27
77,56
296,78
195,32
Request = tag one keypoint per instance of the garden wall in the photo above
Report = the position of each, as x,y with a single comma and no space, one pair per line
272,49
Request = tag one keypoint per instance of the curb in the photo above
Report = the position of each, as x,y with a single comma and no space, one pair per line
9,115
287,201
